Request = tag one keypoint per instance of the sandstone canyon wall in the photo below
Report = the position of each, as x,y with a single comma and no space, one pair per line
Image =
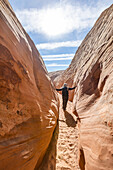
55,74
28,102
92,71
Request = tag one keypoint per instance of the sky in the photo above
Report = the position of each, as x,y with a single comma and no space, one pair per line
58,27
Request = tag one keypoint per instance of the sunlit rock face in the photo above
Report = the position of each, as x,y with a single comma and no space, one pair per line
28,101
92,71
55,74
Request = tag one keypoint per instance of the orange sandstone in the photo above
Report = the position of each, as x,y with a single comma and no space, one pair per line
92,71
28,101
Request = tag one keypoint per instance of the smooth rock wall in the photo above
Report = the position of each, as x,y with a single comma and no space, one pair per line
28,101
92,71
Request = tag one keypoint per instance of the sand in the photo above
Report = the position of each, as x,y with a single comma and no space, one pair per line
62,153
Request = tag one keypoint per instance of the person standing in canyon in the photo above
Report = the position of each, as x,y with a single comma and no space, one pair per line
65,95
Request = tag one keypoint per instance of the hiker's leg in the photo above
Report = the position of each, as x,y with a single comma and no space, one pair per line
64,104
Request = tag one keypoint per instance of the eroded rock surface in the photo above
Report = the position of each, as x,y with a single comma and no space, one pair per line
28,102
62,153
55,74
92,71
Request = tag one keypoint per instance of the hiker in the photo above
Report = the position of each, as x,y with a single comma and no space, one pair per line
65,94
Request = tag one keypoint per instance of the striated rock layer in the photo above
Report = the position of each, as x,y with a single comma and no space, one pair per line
92,71
55,74
28,102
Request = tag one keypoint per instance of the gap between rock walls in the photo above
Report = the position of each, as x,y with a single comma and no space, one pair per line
62,152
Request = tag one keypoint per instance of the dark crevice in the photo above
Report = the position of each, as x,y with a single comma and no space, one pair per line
90,84
50,153
82,160
103,83
0,124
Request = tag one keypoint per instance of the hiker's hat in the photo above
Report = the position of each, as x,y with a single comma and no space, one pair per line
65,84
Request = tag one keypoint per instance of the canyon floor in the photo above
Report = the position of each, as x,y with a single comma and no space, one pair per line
62,153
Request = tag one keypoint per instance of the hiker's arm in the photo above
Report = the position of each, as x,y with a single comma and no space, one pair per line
72,88
59,89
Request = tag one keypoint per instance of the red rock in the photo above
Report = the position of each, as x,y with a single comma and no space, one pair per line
28,101
92,70
55,74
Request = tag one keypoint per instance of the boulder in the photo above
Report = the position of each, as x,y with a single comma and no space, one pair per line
28,101
92,71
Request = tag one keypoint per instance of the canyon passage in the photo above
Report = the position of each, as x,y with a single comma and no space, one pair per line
35,133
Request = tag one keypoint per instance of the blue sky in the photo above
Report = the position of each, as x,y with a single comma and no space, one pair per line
58,27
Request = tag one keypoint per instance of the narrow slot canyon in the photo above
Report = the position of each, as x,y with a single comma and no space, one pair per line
62,153
35,132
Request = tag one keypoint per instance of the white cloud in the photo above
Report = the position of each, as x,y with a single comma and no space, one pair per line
57,65
58,59
59,19
49,46
58,55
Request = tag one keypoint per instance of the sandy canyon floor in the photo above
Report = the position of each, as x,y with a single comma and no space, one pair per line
62,153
